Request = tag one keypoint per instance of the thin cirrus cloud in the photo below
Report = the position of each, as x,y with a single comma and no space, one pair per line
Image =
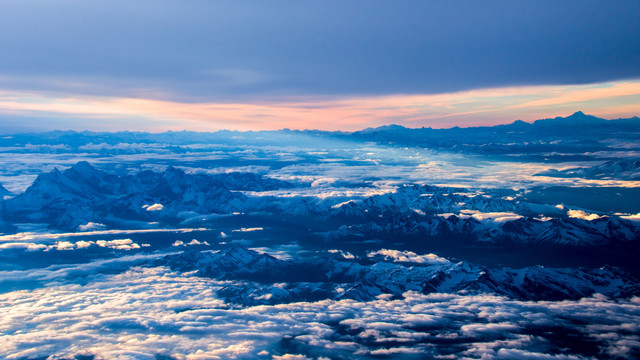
467,108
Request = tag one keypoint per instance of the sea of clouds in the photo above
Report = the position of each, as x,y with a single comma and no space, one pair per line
155,313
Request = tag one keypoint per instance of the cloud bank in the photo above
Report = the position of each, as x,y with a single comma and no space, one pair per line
149,312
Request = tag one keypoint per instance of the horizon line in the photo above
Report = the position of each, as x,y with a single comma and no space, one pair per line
579,112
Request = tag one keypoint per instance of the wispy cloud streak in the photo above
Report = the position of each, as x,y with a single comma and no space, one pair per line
467,108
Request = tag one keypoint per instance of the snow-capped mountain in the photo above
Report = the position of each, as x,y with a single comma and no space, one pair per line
275,281
435,212
83,193
624,169
522,231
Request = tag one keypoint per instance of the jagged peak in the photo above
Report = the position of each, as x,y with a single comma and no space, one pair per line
83,167
240,250
170,170
576,118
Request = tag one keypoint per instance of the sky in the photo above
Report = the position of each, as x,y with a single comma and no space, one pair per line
333,65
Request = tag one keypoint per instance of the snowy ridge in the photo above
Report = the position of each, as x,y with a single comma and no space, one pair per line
625,169
523,231
277,281
83,194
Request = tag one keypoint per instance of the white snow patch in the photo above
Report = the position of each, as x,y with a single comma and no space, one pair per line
336,206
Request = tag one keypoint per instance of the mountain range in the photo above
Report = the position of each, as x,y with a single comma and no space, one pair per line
574,134
268,280
83,194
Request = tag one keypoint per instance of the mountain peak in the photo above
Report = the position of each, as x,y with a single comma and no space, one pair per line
170,170
384,128
84,169
577,118
83,166
579,115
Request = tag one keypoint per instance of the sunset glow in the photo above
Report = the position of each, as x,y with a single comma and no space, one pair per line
483,107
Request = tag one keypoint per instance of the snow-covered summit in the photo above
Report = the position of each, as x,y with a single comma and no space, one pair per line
327,277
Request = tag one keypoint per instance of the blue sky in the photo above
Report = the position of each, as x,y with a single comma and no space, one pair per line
312,64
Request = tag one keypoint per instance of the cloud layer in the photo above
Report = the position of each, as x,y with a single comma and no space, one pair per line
147,312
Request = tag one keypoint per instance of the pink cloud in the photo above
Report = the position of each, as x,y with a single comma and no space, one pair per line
467,108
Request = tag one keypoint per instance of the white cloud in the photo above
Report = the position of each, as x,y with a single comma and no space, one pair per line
30,236
65,245
631,217
66,272
580,214
492,216
408,256
83,244
290,357
91,226
248,229
118,244
197,242
498,217
154,207
23,245
146,312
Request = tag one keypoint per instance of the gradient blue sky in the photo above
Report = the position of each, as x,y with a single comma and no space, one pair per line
206,65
